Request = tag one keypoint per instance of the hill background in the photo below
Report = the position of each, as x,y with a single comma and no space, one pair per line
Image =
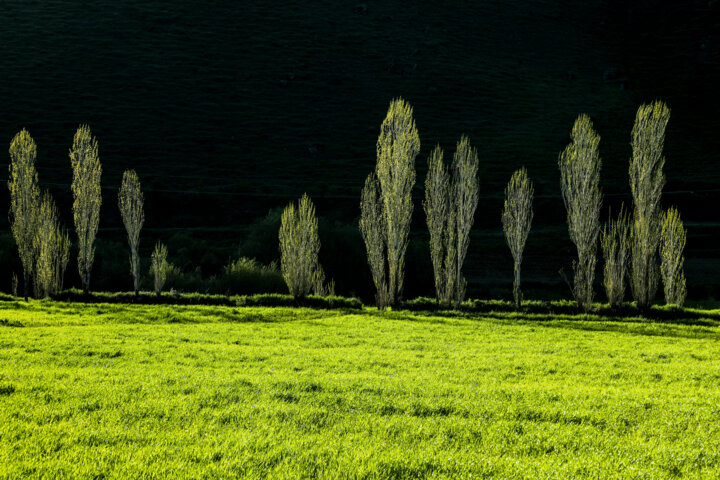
229,110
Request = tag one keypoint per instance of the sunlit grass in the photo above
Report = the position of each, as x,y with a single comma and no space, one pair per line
143,391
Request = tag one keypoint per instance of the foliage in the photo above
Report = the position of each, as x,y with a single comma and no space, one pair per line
175,298
580,182
516,219
373,230
87,198
397,146
646,183
248,276
159,267
299,246
24,201
130,201
616,252
52,249
672,244
441,226
320,287
451,198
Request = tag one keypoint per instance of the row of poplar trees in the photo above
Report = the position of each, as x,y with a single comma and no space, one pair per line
644,245
43,244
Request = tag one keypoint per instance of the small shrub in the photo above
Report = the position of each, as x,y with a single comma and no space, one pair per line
248,276
320,288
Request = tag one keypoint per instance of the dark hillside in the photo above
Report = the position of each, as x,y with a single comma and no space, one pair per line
229,109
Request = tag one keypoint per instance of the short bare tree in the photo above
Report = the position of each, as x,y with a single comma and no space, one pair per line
372,228
24,202
299,246
159,267
516,219
53,249
397,147
672,244
580,181
646,183
615,243
450,202
87,198
131,201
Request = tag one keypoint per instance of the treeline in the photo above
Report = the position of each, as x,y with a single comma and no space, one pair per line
642,246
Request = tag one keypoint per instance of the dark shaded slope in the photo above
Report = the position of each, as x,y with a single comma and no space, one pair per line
234,109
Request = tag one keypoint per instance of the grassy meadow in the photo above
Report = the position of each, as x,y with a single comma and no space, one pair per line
168,391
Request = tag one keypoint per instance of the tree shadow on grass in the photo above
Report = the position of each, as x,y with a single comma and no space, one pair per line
687,328
659,320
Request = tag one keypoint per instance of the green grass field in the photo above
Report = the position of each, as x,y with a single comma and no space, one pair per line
142,391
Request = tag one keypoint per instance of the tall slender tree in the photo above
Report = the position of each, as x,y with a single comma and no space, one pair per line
580,181
451,197
130,201
464,200
87,198
646,183
24,202
397,147
372,228
516,219
441,225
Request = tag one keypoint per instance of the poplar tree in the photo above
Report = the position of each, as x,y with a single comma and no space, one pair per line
672,244
464,199
159,267
580,183
451,197
372,228
516,219
87,198
615,248
53,249
397,146
646,183
24,202
130,201
299,247
441,220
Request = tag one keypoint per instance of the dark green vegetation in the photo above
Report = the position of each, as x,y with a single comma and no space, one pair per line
128,391
227,111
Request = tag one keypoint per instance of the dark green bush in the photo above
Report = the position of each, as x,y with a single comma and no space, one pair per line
247,276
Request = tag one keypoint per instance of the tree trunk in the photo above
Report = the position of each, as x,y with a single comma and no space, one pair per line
26,284
516,288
